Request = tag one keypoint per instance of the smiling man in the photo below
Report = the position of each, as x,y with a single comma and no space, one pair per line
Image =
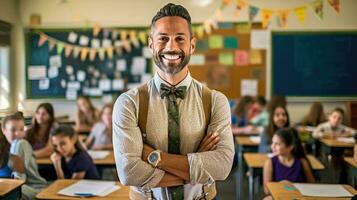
172,137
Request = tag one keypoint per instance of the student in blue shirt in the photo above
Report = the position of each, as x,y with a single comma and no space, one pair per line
70,160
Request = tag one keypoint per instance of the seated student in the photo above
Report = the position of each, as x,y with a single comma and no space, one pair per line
70,159
13,126
100,137
38,133
333,127
260,119
87,115
278,118
8,162
241,114
315,116
289,162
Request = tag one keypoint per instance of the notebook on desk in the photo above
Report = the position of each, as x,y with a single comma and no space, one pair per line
88,188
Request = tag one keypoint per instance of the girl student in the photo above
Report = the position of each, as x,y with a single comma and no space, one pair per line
289,162
69,159
87,115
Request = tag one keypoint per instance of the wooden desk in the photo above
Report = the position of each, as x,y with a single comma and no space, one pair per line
107,161
278,191
51,191
352,168
245,141
255,162
333,143
10,188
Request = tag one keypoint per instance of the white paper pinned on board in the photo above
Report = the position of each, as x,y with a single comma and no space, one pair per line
133,85
95,92
83,40
81,75
71,94
95,43
52,72
44,84
72,37
121,65
259,39
249,87
118,84
37,72
138,66
147,52
55,61
73,85
105,84
107,99
69,69
106,43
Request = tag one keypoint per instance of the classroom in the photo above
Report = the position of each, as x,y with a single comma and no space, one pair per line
181,99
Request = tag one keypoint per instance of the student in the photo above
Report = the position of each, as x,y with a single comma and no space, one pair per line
279,118
261,117
315,117
12,127
240,115
38,133
70,160
333,127
87,115
289,162
100,137
8,162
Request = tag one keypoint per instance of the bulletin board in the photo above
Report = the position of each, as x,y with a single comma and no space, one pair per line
53,71
227,61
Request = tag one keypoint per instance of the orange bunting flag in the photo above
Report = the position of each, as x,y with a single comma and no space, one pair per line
123,35
266,14
283,17
142,37
335,4
92,53
76,51
300,13
67,50
84,53
110,52
317,6
42,40
134,39
101,53
60,47
96,30
218,14
51,44
226,2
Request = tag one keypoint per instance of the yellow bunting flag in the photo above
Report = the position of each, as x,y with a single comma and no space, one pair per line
67,50
142,37
51,44
241,4
317,7
134,39
283,17
110,52
101,53
123,35
42,40
84,53
335,4
92,53
266,14
76,51
96,30
60,47
300,13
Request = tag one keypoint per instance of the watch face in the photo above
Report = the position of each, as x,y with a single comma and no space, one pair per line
153,157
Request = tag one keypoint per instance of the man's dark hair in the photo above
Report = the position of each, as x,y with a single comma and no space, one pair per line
170,10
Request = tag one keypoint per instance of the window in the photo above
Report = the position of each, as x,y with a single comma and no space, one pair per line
4,77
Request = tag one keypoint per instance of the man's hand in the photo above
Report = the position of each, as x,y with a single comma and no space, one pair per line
209,142
146,151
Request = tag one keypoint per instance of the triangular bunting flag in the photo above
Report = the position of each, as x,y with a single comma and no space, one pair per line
92,53
51,45
76,51
207,27
226,2
84,53
67,50
266,14
60,47
123,35
134,39
214,23
101,53
240,4
114,34
283,17
335,5
317,6
127,46
253,11
110,52
42,40
105,32
142,37
300,13
96,30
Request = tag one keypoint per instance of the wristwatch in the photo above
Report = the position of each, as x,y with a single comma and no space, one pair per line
154,158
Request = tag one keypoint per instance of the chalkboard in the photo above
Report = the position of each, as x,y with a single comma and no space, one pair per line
95,70
314,64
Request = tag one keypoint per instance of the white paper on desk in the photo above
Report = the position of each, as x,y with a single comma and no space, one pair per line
98,154
322,190
55,61
52,72
81,75
37,72
44,84
118,84
96,188
121,65
138,65
346,139
105,84
255,139
259,39
249,87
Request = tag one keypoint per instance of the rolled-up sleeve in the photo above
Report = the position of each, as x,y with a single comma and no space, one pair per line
128,145
215,165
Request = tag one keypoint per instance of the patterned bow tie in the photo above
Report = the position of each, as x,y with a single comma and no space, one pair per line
169,92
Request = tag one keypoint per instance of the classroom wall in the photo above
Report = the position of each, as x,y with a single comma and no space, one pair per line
79,13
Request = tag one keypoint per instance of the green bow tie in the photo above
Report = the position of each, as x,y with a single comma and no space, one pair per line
169,92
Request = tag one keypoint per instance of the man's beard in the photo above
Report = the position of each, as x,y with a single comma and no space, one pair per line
171,68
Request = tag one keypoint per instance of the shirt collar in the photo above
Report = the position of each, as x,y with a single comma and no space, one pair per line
185,82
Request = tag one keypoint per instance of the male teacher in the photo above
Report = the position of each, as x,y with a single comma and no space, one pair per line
167,144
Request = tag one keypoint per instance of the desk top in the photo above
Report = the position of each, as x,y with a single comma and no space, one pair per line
350,161
8,185
278,191
108,160
257,160
336,143
51,191
245,141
